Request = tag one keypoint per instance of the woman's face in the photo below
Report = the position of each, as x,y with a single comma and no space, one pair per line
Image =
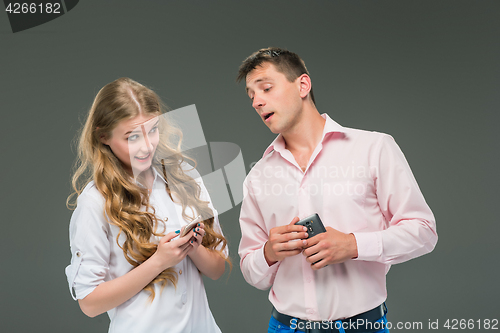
134,141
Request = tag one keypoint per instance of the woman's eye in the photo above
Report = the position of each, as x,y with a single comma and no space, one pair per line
133,137
154,129
267,89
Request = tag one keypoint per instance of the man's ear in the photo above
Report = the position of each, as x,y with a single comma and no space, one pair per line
305,85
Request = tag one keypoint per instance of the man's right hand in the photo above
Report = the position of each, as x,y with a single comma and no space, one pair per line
285,241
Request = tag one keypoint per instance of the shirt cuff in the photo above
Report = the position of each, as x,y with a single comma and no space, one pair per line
261,263
369,245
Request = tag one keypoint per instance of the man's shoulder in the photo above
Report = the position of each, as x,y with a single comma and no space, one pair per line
260,165
363,133
332,127
364,136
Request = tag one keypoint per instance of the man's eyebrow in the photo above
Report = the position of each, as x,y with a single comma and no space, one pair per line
259,80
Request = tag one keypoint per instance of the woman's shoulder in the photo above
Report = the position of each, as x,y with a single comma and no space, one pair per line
88,217
90,195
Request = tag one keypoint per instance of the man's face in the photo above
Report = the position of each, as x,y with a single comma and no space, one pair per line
276,100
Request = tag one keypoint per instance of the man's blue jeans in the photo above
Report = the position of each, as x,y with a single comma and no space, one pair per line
277,327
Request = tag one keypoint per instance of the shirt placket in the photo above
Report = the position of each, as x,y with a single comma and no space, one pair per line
305,208
181,280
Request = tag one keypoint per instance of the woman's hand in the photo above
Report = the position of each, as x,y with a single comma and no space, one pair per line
110,294
172,251
196,237
208,262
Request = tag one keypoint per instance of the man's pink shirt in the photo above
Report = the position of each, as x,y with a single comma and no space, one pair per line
358,182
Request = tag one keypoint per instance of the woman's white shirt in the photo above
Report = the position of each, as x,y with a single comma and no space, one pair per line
96,258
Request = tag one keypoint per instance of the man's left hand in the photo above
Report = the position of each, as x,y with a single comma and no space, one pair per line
330,247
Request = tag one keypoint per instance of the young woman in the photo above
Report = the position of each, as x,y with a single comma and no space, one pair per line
135,193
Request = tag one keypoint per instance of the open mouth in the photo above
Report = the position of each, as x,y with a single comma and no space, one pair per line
268,115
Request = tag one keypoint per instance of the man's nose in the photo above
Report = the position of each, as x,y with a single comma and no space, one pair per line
258,102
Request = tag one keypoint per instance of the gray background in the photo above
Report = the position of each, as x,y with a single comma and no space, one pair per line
427,72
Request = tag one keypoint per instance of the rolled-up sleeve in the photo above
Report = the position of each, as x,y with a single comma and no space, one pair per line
254,236
90,247
410,225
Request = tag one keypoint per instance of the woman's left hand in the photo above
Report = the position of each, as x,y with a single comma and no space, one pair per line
208,262
197,237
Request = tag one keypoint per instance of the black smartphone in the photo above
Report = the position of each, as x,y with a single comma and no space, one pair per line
313,224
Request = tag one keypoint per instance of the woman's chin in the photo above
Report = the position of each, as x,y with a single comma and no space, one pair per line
140,168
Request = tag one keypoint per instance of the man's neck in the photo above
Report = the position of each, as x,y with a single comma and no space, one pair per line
307,133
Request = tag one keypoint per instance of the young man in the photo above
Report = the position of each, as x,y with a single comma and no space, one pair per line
360,185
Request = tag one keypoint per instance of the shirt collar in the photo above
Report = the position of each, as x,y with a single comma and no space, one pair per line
330,127
157,176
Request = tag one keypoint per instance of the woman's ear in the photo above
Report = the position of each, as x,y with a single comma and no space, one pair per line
104,140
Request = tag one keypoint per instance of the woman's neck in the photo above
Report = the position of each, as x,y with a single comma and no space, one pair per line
146,178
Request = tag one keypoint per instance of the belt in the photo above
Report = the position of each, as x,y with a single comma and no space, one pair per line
363,322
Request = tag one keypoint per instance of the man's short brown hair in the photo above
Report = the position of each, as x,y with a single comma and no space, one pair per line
286,62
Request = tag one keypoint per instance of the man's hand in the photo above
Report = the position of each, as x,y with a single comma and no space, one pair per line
285,241
330,247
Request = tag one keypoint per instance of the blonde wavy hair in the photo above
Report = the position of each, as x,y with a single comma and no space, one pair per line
127,203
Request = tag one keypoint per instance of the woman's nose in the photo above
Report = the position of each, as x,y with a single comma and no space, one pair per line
146,143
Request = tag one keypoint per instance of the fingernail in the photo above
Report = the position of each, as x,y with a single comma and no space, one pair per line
198,224
191,241
177,231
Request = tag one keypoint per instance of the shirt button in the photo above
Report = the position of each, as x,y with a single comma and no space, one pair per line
310,311
78,254
180,271
308,280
